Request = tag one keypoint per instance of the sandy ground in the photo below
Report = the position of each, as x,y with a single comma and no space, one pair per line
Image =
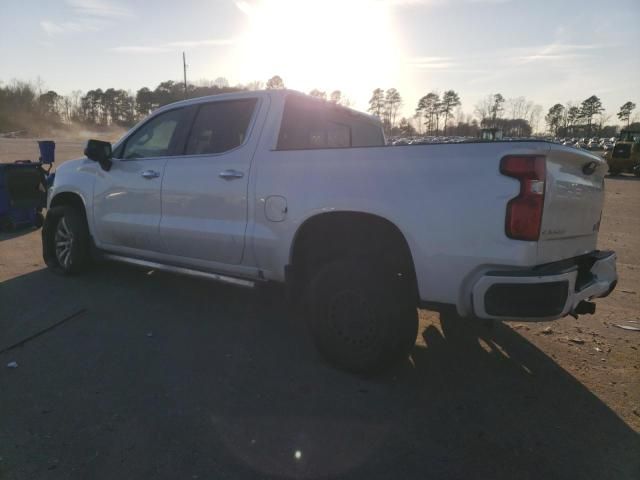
158,376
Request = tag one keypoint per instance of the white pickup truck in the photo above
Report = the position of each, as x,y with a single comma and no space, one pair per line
277,186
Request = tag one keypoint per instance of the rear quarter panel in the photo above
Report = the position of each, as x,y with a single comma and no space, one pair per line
448,201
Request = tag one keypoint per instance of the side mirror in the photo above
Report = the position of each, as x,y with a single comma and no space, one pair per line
100,152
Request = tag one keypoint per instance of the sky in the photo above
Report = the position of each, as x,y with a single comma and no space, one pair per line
548,51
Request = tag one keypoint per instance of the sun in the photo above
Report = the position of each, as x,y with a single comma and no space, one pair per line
345,45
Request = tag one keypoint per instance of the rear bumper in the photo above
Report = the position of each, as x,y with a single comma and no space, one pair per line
545,292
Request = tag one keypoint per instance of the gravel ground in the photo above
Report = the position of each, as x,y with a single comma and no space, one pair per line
159,376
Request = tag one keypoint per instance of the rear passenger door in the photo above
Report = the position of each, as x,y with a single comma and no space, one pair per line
204,192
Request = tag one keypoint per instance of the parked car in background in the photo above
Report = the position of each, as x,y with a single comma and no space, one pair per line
624,157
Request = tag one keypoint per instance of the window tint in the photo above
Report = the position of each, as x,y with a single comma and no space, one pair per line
308,124
220,126
154,138
338,134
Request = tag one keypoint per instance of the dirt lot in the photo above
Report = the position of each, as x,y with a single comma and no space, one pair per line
159,376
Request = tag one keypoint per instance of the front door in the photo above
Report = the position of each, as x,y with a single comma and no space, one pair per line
204,193
127,202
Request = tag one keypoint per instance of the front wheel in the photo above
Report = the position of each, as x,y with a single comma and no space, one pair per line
363,316
65,240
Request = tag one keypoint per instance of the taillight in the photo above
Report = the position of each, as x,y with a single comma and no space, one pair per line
524,212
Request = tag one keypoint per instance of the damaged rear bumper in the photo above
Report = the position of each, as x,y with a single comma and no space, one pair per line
546,292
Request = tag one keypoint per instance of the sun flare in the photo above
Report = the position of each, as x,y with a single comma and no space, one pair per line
347,45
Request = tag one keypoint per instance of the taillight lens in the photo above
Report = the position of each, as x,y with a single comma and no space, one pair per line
524,212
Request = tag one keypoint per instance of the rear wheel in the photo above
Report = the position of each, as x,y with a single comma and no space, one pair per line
65,240
362,317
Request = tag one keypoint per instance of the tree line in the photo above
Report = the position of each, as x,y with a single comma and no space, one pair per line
437,114
441,114
586,118
23,105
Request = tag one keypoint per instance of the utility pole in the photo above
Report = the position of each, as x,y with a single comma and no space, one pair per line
184,69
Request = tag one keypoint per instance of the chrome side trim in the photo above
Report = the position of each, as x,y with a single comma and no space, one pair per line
181,270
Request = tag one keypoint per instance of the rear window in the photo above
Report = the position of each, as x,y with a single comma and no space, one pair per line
310,124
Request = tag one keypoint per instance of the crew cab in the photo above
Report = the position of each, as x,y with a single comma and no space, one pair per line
276,186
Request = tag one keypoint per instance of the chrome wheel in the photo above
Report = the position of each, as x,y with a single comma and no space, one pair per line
64,243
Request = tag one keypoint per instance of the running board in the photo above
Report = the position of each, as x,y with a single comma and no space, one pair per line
181,270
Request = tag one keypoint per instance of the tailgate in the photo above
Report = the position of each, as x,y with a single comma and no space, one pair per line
574,196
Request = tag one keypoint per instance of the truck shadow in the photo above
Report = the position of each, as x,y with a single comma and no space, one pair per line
18,232
169,377
626,177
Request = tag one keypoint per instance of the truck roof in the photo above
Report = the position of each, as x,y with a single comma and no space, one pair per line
275,93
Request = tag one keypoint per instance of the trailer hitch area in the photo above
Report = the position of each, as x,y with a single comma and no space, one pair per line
584,308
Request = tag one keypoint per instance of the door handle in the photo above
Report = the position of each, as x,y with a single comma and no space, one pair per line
230,174
149,174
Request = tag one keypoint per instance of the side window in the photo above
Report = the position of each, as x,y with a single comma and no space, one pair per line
154,138
220,126
311,125
308,124
338,135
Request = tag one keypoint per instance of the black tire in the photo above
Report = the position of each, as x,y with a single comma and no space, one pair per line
362,317
38,220
77,259
407,331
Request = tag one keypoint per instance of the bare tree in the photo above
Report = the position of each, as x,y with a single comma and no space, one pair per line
482,109
221,82
534,117
601,120
255,85
490,109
